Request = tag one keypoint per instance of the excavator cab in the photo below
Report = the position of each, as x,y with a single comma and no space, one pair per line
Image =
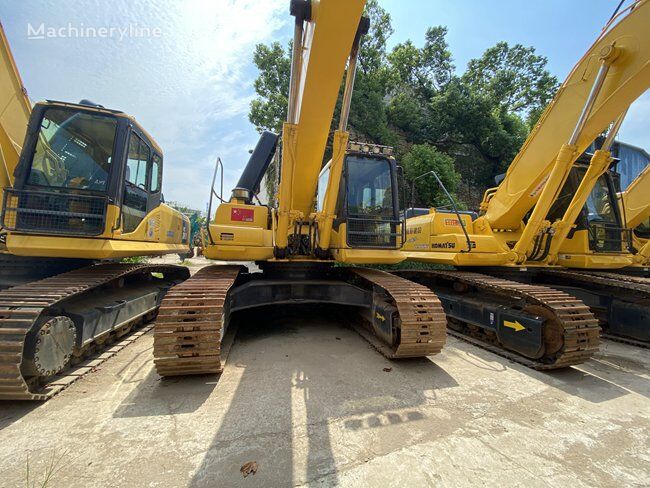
89,172
367,208
599,228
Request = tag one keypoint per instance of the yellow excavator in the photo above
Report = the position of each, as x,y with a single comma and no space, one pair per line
551,210
81,190
619,296
344,213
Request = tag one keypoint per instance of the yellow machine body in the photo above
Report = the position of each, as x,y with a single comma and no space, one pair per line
635,206
240,230
163,231
127,214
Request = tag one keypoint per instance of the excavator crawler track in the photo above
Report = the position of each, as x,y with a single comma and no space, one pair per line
578,330
630,290
190,324
421,318
624,283
24,307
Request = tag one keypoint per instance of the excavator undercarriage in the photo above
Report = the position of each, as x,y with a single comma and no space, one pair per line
534,325
398,317
46,326
621,303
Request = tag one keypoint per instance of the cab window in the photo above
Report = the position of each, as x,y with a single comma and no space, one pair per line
156,174
137,162
74,150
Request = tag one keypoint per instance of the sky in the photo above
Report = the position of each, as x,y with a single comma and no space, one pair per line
184,68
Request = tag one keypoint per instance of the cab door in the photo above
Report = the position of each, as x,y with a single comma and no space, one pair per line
136,180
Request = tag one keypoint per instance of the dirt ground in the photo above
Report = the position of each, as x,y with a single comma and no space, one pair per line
311,403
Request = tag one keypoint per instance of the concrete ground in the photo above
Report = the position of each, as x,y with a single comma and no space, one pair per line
312,404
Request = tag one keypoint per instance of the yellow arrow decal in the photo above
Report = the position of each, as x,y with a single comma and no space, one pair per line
514,325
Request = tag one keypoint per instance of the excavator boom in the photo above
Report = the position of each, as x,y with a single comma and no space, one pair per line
15,109
328,38
627,44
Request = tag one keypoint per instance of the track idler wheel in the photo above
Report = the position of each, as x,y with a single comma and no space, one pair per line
51,347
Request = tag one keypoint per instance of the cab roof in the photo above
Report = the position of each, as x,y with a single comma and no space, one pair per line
107,111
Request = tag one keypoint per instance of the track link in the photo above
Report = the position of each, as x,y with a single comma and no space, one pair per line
22,306
580,330
190,324
626,340
620,282
422,320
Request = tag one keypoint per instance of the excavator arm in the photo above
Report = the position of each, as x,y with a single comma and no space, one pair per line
15,110
347,211
635,207
635,200
320,55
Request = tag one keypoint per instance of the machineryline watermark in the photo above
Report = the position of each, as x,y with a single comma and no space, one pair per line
81,31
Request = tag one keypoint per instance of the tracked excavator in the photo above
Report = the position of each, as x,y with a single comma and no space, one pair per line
554,215
620,297
611,281
346,212
81,190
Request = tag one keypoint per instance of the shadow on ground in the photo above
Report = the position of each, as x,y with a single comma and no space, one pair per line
585,381
166,396
289,393
11,412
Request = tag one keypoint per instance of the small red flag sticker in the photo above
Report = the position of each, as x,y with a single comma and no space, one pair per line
242,214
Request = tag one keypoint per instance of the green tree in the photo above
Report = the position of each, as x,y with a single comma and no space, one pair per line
514,78
269,109
470,126
482,139
372,54
421,159
426,70
368,118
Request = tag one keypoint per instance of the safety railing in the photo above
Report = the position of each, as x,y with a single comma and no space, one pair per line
213,194
50,212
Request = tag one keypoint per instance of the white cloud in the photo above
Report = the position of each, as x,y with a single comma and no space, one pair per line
190,87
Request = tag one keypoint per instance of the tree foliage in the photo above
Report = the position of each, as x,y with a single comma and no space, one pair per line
421,159
269,109
467,127
423,71
513,78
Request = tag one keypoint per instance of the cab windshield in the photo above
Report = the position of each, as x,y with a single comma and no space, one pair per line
371,209
369,188
74,150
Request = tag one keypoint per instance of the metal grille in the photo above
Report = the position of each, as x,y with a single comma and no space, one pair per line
34,211
606,237
374,233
